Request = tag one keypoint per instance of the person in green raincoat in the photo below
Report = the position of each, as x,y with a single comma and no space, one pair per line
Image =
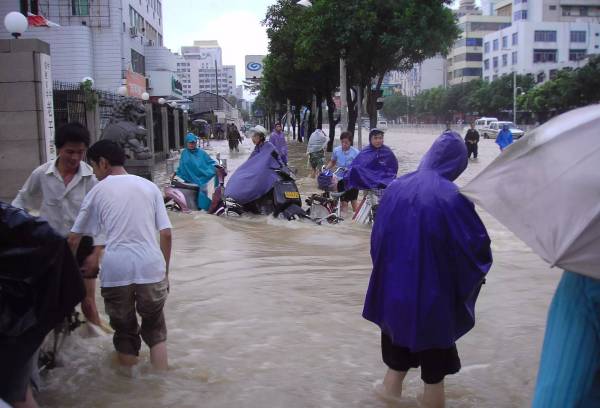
197,167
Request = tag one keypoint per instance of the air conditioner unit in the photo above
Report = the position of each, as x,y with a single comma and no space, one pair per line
133,32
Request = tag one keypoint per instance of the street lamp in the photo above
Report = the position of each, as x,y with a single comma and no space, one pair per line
161,101
15,23
515,87
145,96
122,90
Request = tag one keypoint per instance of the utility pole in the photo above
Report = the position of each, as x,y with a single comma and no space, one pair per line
359,110
515,97
217,83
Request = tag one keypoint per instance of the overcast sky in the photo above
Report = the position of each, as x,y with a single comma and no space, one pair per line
235,24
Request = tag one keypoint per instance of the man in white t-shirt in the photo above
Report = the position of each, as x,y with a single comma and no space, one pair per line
134,270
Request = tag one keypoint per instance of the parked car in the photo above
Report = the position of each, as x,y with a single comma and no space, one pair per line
382,124
483,123
496,127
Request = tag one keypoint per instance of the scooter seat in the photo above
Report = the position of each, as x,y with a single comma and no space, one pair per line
186,186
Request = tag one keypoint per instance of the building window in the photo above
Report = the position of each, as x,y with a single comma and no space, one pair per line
578,36
577,55
486,47
505,42
486,64
486,79
514,58
495,62
552,7
553,73
515,38
504,60
520,15
138,62
541,77
474,42
29,6
80,7
474,56
494,77
544,36
495,45
544,56
471,72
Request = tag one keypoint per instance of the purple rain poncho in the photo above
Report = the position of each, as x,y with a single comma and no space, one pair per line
373,168
256,176
430,254
278,140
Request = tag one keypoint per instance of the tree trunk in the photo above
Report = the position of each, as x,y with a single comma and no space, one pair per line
319,112
351,111
332,121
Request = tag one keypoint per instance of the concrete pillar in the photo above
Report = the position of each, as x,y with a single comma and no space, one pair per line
26,112
165,130
176,128
149,127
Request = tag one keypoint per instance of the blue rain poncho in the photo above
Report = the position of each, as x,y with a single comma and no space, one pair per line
373,168
256,176
197,167
430,254
504,138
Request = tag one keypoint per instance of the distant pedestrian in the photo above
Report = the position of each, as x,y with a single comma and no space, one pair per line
504,138
342,157
472,141
134,273
430,254
234,138
277,139
316,151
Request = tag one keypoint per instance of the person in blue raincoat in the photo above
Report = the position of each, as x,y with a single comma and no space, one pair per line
430,254
504,138
197,167
375,167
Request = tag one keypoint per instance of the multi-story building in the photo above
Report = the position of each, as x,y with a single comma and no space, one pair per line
465,58
202,70
545,36
107,40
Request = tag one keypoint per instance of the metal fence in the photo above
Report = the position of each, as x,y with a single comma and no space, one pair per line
69,104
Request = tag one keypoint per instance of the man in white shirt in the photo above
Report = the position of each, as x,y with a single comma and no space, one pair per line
56,189
134,274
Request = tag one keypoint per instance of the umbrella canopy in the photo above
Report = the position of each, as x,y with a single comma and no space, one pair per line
546,189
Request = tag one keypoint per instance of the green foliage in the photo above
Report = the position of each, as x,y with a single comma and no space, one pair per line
91,98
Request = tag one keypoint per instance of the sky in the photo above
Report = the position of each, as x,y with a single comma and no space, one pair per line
235,24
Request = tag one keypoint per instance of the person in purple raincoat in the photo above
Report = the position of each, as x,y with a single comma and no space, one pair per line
375,167
430,254
277,139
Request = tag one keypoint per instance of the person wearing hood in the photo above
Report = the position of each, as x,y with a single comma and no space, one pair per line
375,167
256,176
316,150
430,254
277,139
197,167
504,138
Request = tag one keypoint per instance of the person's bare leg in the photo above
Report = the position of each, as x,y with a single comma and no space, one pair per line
433,396
29,400
127,360
354,205
88,304
392,383
343,208
158,356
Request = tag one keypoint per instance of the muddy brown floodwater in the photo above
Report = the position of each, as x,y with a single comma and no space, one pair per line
267,313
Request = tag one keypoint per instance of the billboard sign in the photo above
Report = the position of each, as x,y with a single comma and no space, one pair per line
136,84
254,66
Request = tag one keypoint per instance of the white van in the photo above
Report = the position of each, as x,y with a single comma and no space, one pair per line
484,123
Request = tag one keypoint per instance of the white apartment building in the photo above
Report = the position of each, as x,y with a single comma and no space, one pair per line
103,39
201,69
545,36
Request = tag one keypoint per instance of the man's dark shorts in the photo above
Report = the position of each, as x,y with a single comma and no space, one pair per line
121,304
435,363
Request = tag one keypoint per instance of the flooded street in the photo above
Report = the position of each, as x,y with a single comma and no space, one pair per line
267,313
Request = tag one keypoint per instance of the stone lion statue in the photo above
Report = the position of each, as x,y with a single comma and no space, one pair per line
125,128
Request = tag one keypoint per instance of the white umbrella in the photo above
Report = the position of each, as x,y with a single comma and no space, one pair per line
545,188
